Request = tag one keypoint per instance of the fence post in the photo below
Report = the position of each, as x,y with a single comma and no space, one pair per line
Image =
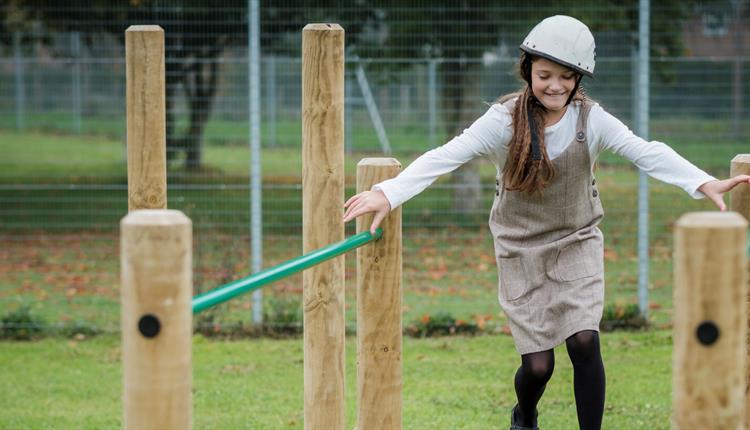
156,293
379,326
146,117
19,79
432,101
322,223
740,202
77,96
710,322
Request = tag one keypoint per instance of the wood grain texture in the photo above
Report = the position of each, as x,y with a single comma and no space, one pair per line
379,317
156,276
146,117
322,223
740,195
710,285
739,199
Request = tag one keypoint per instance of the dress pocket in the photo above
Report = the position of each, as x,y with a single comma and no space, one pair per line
579,260
513,283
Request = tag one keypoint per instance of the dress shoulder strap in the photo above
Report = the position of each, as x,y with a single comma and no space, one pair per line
583,116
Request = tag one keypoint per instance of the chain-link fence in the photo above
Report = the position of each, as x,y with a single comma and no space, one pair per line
416,75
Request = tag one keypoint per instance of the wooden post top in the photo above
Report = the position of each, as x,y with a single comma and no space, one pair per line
741,158
379,161
712,220
143,28
323,27
155,217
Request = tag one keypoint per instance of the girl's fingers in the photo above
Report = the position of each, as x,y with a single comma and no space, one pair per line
738,180
352,212
357,212
351,204
360,208
718,199
377,220
348,206
352,199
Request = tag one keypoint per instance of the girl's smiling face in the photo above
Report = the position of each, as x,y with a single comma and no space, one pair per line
552,84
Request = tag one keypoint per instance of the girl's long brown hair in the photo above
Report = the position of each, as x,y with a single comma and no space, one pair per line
522,171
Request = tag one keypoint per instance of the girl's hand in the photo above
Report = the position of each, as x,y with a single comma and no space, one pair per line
366,202
715,190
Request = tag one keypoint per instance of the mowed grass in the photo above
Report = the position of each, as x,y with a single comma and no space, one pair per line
449,383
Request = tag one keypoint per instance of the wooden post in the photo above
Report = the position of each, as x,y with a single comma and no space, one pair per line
740,202
379,327
146,117
322,223
740,195
710,323
156,294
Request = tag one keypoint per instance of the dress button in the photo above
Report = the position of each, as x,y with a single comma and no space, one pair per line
595,193
497,193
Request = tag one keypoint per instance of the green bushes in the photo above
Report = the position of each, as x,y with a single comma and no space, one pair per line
20,324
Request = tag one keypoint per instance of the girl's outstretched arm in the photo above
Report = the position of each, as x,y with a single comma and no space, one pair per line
715,190
366,202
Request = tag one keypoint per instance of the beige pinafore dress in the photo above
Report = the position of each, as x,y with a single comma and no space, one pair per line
550,251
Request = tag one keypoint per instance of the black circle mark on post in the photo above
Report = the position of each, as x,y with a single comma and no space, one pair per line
707,333
149,325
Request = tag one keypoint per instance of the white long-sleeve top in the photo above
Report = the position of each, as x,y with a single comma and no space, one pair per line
489,136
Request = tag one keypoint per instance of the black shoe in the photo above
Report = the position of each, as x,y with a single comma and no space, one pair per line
514,422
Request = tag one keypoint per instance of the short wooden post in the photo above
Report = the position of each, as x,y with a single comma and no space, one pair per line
322,223
156,294
379,326
710,323
146,117
740,202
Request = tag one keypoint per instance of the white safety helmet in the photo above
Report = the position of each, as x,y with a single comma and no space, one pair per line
564,40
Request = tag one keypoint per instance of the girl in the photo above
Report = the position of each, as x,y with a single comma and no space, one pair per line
543,142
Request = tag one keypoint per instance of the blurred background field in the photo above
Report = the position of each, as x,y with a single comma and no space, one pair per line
416,75
60,236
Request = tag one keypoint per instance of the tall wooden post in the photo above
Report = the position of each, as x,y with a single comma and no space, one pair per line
710,322
146,117
740,203
379,326
322,223
156,255
156,294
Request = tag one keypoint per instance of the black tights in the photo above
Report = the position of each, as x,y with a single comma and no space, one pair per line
588,379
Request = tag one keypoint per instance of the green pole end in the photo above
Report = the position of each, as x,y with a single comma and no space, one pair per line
283,270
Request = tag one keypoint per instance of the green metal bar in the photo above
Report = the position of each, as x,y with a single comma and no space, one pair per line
288,268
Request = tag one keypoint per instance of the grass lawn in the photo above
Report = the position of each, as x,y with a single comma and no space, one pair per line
449,383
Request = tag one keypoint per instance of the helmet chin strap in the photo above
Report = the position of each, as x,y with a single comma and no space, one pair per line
575,89
536,151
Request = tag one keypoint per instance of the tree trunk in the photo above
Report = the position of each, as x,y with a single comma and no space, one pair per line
173,143
200,86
